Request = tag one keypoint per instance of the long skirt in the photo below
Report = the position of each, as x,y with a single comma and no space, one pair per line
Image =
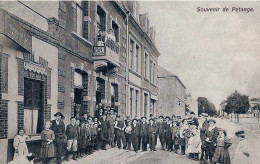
47,150
221,155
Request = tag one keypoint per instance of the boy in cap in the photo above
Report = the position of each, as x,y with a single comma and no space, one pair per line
72,139
58,128
211,135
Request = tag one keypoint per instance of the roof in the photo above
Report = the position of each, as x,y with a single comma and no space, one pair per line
164,74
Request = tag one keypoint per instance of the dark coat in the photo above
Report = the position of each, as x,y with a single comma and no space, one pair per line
195,121
59,131
152,129
72,132
144,129
168,133
212,135
205,126
135,130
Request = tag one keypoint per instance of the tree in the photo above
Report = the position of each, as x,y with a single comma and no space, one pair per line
205,106
237,103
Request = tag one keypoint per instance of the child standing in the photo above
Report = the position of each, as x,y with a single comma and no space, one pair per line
20,144
47,148
194,144
241,155
221,154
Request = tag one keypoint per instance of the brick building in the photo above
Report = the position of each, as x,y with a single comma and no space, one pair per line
55,56
142,63
171,93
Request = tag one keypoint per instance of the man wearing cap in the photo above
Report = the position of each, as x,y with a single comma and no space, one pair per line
144,133
135,134
72,139
205,127
211,135
58,128
152,130
120,126
161,130
241,154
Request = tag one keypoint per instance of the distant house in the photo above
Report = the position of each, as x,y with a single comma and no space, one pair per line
171,94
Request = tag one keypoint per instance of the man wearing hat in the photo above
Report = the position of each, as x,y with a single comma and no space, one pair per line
168,134
152,130
111,121
211,135
58,128
104,131
161,130
144,133
194,119
135,134
205,127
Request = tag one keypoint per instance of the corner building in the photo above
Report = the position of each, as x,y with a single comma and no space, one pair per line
51,61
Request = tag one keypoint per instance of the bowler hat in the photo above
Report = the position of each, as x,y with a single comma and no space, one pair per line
161,117
204,114
59,114
167,117
143,117
135,119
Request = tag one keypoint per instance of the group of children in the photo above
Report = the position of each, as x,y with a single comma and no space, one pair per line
86,134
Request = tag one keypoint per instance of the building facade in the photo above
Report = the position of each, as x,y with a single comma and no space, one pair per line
59,56
171,93
142,63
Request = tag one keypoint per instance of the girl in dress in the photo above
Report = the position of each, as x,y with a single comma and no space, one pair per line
194,144
20,144
221,154
47,148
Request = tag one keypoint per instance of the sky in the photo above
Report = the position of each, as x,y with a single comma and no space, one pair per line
213,53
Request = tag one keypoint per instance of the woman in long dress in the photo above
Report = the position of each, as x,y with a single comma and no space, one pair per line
20,143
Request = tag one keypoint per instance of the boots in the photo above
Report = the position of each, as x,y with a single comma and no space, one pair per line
67,155
74,156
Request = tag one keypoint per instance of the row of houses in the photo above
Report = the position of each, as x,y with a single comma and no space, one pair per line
67,55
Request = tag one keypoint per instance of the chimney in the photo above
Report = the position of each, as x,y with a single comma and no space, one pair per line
144,22
152,33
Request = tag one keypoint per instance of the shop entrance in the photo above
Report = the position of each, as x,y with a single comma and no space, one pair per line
33,105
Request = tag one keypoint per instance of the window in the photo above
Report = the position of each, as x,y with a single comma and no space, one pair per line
131,54
145,64
101,19
79,21
136,102
116,30
137,58
114,96
152,107
145,103
151,70
154,73
33,105
131,101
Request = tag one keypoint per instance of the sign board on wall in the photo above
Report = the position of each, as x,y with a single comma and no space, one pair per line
99,51
10,28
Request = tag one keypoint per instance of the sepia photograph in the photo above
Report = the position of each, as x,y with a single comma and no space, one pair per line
129,82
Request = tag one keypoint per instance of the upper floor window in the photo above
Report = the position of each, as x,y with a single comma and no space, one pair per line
101,19
131,54
145,64
79,20
151,70
116,31
137,51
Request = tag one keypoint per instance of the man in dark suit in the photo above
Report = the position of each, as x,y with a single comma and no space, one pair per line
205,127
58,128
144,133
161,130
135,135
104,129
152,130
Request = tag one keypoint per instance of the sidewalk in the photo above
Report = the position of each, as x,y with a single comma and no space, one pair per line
109,156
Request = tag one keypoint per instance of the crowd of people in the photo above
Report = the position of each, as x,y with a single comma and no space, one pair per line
86,134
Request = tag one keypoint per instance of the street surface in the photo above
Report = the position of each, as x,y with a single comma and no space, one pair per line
116,156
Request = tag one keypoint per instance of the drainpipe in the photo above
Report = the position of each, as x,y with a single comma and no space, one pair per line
127,62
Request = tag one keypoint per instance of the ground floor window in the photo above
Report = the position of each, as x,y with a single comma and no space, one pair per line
152,107
145,104
114,96
33,105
